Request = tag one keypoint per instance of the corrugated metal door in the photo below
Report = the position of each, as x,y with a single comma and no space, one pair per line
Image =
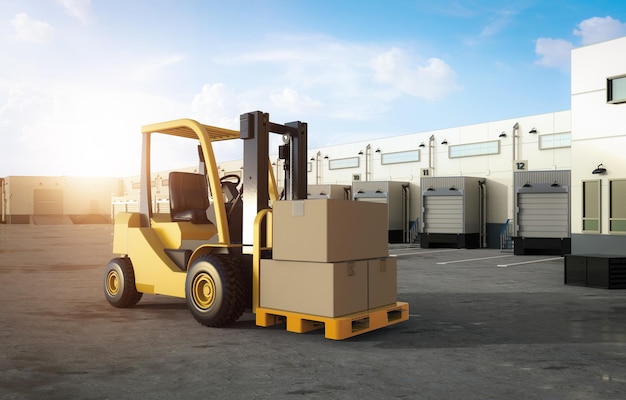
443,214
48,201
543,215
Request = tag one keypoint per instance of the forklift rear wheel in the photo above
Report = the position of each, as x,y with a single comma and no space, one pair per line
214,290
119,283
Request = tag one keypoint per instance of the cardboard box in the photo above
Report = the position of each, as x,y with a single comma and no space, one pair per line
329,230
324,289
382,282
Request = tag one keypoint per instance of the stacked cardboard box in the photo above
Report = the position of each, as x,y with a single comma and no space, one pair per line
330,258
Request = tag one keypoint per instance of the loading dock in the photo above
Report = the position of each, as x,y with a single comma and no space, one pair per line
453,212
396,196
542,205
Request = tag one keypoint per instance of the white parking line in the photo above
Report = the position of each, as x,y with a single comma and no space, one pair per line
530,262
470,259
423,252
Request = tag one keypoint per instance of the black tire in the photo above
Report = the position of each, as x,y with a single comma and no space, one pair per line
119,283
214,290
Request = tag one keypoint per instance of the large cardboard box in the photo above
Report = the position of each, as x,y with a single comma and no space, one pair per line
324,289
329,230
382,282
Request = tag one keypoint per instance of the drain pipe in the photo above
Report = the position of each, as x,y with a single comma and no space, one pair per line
515,152
368,151
2,202
405,213
483,212
431,142
515,131
318,159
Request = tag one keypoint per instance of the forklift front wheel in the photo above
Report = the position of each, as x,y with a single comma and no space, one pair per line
119,283
214,290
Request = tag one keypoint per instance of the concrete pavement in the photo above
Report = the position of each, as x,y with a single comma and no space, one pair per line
483,325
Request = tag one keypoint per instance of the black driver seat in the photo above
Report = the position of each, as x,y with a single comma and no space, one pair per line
189,197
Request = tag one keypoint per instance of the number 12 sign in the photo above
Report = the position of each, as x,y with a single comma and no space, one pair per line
520,165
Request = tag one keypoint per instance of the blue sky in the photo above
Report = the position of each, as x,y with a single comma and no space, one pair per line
78,78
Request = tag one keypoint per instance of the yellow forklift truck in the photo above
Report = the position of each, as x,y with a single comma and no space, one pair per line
210,246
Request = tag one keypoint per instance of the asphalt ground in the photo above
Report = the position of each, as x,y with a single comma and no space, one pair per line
483,325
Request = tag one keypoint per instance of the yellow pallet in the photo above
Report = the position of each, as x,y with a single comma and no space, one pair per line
337,328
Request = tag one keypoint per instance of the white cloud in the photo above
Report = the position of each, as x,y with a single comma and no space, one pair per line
432,80
308,61
294,102
555,53
80,9
356,81
500,22
150,68
30,30
217,105
596,29
72,129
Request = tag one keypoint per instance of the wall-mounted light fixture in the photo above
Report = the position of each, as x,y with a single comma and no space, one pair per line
445,141
312,158
452,188
503,134
326,157
378,150
422,145
533,131
361,152
555,184
599,170
527,184
431,189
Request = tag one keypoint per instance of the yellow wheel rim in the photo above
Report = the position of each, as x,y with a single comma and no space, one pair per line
113,283
203,290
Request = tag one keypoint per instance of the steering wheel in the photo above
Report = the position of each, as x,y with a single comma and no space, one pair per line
229,187
233,178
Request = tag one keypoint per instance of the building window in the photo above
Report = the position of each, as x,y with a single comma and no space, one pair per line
617,206
555,140
400,157
591,206
340,163
474,149
616,89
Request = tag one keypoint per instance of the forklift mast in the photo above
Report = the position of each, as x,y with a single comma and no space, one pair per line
255,128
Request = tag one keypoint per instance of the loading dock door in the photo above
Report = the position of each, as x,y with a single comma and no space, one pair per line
544,215
48,201
443,214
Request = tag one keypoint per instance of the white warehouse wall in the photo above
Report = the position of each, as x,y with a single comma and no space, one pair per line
598,137
496,168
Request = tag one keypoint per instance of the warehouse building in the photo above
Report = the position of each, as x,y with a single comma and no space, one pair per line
551,183
56,199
